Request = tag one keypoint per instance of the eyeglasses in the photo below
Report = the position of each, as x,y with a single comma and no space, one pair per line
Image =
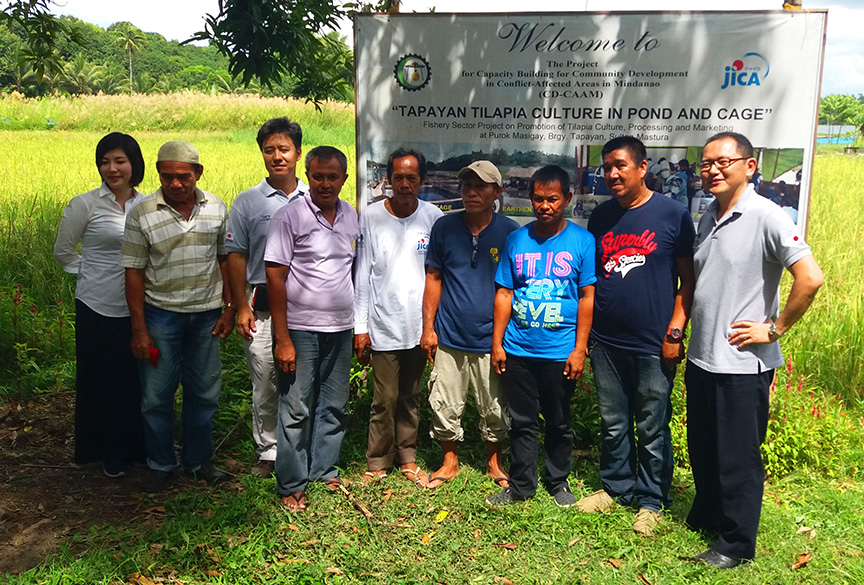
475,250
720,163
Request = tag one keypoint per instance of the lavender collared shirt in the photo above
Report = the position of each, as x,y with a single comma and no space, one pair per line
319,258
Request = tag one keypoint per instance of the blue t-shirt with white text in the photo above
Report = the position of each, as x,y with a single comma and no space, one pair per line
545,276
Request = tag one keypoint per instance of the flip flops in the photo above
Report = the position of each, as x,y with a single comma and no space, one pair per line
373,476
415,472
334,483
499,481
295,502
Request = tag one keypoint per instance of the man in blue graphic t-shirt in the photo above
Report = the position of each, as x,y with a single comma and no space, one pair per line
644,262
541,322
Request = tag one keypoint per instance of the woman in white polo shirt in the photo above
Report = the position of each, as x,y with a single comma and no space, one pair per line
108,395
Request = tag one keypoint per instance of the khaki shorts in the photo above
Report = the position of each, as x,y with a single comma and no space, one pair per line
453,374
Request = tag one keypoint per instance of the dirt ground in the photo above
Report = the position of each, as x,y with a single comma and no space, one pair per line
44,496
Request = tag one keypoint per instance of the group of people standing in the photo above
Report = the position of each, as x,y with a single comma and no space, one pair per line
507,312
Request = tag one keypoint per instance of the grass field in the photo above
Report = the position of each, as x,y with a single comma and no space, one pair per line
241,534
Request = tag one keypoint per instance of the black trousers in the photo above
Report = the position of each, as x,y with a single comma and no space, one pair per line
727,417
108,392
535,387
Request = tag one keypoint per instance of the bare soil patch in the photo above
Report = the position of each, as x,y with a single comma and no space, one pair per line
44,497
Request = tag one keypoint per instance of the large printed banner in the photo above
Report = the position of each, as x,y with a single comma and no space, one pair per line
525,90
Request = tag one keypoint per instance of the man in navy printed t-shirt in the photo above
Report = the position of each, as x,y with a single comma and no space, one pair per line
644,291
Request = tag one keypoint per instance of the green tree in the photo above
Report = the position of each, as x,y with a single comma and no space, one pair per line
42,34
837,109
224,83
131,39
82,77
272,39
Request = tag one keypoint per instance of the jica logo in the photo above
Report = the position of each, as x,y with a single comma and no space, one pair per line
751,69
422,245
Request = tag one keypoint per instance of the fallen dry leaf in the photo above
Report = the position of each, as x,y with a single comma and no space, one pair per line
212,573
584,563
293,527
504,580
213,555
614,562
233,465
334,571
139,579
642,579
387,493
476,534
802,560
355,530
427,538
236,539
309,542
572,542
807,530
507,545
854,553
441,515
155,510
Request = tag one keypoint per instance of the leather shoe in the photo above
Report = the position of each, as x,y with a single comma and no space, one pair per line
712,558
210,474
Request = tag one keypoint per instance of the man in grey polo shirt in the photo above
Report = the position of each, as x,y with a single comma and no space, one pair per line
175,260
742,246
308,261
280,142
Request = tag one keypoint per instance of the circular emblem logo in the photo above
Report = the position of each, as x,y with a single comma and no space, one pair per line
412,72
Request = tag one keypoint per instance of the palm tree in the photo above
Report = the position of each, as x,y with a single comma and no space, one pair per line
225,83
132,40
82,77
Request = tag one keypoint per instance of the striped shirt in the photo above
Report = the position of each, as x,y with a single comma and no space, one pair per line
179,257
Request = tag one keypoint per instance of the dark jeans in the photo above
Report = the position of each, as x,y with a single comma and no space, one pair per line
727,417
534,387
634,389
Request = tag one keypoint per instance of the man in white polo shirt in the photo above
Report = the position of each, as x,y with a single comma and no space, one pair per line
175,260
742,246
280,142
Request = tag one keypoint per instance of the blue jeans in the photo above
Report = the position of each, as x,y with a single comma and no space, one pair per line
312,413
634,388
188,354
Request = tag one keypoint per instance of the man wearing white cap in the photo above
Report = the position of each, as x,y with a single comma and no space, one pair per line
464,250
175,259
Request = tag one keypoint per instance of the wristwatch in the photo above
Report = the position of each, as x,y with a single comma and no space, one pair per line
674,335
772,332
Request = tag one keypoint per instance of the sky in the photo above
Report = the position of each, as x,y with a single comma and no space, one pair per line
843,70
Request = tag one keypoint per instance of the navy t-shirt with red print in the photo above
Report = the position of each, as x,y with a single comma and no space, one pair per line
637,277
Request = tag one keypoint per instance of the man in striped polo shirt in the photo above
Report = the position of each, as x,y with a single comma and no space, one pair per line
175,259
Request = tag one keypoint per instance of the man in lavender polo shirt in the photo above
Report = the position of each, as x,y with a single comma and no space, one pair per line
308,261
